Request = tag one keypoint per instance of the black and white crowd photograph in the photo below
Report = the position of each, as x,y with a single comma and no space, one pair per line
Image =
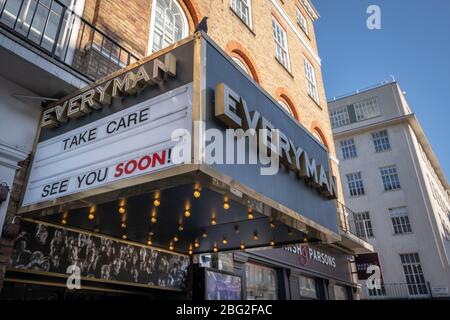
40,247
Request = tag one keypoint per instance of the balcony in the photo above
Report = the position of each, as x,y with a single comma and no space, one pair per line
51,30
394,291
354,233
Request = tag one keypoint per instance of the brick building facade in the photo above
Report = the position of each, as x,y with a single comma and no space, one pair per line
272,40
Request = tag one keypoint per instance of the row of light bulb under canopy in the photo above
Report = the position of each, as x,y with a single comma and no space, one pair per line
187,214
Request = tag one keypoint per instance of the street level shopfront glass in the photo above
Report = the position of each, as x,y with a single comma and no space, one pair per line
261,282
340,293
308,287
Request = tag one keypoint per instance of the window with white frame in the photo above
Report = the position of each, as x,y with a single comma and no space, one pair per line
169,24
363,225
400,220
308,287
311,77
366,109
412,270
301,20
355,184
39,21
241,65
285,106
243,8
339,117
381,141
348,148
281,48
390,178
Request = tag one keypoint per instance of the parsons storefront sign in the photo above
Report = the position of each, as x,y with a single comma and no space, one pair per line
124,144
307,253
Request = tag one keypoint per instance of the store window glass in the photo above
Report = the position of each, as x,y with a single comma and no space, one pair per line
308,287
340,293
226,261
261,282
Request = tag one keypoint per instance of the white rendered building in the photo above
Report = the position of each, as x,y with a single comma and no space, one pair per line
399,195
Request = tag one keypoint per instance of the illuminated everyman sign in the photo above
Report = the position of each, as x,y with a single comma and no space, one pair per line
232,110
101,95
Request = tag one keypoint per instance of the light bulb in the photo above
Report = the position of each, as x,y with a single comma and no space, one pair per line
175,238
156,202
123,225
204,234
224,241
213,221
272,243
63,221
187,213
190,251
215,248
197,193
250,215
255,236
171,246
149,242
242,245
121,210
226,205
91,216
196,244
180,227
124,237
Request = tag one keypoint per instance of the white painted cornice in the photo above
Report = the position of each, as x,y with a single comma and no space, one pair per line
10,156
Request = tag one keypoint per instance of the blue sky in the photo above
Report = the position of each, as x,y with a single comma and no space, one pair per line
413,45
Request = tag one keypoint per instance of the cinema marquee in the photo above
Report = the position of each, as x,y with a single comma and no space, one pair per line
102,166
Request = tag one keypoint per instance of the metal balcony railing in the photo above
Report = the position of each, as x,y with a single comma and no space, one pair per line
54,29
420,290
350,223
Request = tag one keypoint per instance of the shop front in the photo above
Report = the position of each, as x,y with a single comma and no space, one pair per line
178,155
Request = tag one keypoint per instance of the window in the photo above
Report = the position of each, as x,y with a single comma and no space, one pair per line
340,117
308,287
390,178
355,184
414,274
366,109
400,220
311,77
381,141
363,225
301,20
243,9
169,24
348,148
241,65
281,48
261,282
285,106
340,292
39,21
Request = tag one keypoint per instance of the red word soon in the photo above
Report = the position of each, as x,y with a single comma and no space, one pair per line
142,164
